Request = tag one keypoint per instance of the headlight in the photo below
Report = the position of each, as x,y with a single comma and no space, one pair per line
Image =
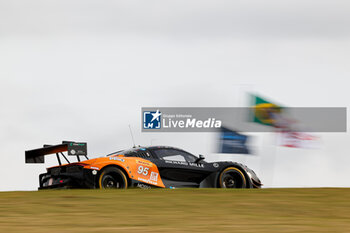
249,174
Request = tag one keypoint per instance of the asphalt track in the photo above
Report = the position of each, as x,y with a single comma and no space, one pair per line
179,210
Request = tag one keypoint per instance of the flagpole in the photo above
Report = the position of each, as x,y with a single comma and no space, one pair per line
274,158
242,92
270,148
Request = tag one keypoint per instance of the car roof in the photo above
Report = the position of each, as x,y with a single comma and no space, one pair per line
140,148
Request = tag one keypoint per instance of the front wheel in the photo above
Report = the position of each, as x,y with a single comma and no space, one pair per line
113,178
232,178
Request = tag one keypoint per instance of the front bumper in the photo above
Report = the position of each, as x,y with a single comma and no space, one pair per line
255,181
67,177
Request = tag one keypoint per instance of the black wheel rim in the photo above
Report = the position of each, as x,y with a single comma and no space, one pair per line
229,182
232,179
111,182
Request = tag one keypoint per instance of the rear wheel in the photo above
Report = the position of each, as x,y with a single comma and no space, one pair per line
232,178
113,178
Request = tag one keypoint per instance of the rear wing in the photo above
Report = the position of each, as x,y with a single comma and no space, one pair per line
73,148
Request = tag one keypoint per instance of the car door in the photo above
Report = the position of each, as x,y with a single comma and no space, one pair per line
178,168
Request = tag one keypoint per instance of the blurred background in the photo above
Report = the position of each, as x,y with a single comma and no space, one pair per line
82,70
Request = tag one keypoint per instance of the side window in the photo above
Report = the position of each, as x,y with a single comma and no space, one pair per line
174,155
140,153
175,158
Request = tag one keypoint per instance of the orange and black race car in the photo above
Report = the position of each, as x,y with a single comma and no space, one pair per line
143,167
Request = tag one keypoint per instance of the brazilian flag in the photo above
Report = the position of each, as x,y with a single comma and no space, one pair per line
264,112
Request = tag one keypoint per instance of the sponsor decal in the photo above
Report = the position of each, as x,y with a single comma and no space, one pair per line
196,164
143,186
152,119
77,148
146,180
145,163
96,168
116,159
154,176
185,163
176,162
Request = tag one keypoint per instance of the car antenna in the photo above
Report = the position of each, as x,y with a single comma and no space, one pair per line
132,136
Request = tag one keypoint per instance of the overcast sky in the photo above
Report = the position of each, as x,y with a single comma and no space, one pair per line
82,70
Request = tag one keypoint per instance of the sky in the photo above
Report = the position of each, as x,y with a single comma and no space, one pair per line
81,70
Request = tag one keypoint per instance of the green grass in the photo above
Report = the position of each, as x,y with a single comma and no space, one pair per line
179,210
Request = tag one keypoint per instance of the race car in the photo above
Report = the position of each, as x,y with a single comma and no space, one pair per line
142,167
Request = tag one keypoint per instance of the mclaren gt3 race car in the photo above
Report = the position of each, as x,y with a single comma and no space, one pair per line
143,167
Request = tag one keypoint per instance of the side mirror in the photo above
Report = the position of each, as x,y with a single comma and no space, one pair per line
201,157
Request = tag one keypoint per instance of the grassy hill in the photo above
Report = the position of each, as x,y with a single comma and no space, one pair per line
179,210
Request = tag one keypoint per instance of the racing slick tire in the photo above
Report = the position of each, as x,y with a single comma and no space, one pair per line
112,178
232,177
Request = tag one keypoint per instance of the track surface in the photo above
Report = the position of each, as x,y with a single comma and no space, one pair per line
179,210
